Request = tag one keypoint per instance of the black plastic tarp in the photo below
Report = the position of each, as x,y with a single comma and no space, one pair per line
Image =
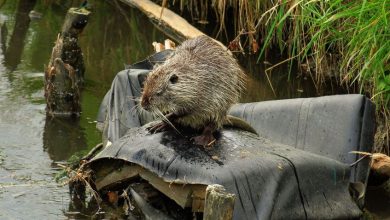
270,180
297,168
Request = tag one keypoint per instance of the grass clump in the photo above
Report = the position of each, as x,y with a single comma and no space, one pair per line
355,32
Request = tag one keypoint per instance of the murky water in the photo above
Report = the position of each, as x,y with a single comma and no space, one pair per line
32,144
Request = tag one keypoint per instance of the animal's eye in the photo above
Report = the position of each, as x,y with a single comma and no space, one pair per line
174,78
159,92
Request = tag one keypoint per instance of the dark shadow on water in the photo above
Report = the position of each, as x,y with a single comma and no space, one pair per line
3,36
15,47
378,202
63,137
282,82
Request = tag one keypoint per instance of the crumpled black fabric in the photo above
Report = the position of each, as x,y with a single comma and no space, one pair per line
270,180
309,138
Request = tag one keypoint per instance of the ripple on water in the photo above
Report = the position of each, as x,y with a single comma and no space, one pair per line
27,186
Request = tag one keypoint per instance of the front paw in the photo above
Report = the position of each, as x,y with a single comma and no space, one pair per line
206,141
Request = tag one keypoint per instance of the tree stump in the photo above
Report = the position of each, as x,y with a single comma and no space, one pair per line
64,74
219,204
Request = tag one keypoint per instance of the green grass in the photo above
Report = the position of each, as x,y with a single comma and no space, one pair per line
356,31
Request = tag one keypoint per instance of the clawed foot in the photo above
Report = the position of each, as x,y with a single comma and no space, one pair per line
159,127
207,141
163,126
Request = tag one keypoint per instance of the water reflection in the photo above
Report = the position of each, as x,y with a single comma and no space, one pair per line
275,84
3,35
15,47
62,137
116,35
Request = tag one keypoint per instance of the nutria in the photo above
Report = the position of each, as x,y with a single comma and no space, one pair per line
194,87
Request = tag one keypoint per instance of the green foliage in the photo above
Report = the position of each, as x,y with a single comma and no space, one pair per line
355,31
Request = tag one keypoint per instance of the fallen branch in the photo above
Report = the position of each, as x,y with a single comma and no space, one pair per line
172,24
167,21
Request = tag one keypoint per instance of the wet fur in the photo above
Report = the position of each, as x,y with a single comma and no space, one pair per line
209,81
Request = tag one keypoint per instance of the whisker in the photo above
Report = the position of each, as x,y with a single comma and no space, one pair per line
141,111
137,108
165,119
134,98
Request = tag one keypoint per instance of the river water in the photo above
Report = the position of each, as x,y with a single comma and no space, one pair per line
31,144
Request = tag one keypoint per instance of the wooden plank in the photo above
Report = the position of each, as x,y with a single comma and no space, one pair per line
180,193
126,172
185,195
198,199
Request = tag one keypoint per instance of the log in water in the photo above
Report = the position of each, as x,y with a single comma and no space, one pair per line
65,72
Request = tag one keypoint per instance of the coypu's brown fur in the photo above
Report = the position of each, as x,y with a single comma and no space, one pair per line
196,85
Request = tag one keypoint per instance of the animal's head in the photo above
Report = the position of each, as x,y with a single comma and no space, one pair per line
160,89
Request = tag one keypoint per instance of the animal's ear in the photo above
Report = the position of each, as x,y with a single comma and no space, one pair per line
174,78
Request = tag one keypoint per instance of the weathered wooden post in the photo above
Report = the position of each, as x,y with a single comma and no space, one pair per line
65,72
219,204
